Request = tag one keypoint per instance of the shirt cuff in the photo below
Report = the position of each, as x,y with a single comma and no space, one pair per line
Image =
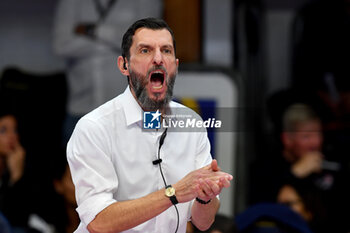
92,206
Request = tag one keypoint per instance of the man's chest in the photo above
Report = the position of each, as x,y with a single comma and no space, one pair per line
133,157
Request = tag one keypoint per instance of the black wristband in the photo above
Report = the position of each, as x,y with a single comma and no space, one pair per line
202,202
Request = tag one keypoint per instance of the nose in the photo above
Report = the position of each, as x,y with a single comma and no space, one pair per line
158,57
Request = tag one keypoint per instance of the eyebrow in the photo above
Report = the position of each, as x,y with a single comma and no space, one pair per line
168,46
143,45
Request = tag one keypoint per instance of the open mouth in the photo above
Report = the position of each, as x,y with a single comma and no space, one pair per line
157,79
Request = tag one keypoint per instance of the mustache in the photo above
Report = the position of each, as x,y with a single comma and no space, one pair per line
157,67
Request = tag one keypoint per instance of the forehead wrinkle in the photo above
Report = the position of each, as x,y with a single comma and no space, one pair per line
147,34
143,45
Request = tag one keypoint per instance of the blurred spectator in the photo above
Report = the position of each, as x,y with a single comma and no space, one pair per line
301,159
39,102
87,34
306,201
60,216
68,219
14,185
302,140
21,196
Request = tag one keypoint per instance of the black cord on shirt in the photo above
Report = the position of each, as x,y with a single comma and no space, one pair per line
161,141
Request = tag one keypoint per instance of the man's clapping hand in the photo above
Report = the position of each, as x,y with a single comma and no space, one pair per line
204,183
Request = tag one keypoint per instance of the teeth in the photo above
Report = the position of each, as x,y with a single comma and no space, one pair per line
159,87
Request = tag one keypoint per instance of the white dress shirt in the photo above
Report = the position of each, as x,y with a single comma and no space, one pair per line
110,157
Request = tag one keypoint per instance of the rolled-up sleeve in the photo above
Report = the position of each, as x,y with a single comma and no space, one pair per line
93,173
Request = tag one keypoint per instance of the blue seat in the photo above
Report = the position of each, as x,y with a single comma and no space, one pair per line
271,218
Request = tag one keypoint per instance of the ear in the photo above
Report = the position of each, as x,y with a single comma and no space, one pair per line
177,62
122,66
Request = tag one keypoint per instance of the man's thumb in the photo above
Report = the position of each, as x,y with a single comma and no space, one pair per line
214,165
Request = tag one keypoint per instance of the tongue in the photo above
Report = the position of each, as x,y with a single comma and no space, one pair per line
156,81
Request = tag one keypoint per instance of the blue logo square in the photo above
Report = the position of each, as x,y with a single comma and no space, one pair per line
151,120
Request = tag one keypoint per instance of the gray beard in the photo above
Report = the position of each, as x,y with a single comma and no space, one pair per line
139,88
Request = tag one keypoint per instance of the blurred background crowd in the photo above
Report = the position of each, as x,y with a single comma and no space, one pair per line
289,61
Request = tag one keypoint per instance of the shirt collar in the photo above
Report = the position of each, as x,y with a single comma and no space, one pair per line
132,110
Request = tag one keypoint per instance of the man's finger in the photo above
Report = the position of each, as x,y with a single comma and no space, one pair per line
224,182
214,187
214,165
202,195
205,187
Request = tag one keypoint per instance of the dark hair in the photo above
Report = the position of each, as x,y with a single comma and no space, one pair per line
5,108
313,201
151,23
